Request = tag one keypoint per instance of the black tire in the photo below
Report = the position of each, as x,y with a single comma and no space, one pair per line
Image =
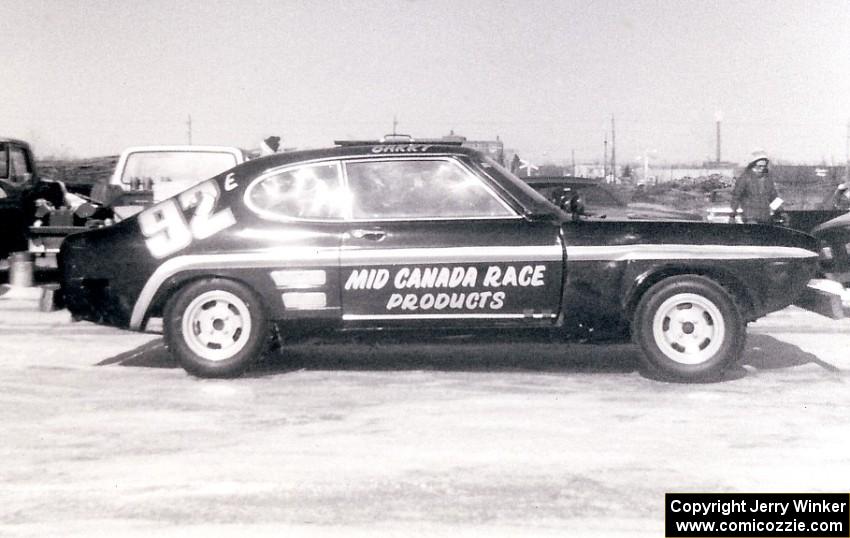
216,327
689,329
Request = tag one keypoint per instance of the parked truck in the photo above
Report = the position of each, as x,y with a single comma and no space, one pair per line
37,213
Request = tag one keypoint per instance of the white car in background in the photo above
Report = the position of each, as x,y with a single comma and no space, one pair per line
149,174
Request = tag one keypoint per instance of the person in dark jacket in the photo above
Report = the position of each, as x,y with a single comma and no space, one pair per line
754,192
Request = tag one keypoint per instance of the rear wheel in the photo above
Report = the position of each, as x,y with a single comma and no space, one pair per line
688,328
215,327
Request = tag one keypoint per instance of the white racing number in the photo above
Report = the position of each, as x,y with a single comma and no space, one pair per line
165,228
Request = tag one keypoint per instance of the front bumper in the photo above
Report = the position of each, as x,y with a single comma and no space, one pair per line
825,297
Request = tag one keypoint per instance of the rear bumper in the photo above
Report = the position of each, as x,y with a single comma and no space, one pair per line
825,297
95,300
48,239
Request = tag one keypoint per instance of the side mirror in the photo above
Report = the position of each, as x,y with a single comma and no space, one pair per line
561,198
569,201
576,207
576,204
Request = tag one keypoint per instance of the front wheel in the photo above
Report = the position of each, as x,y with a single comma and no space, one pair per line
215,327
688,328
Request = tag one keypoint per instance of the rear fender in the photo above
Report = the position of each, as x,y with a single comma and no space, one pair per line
170,287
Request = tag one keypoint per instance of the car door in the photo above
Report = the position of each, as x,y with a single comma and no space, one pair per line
428,239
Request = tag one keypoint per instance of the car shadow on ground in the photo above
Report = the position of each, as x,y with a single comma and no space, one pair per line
762,353
152,354
454,356
390,357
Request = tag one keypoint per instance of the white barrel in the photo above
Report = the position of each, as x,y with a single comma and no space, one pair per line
21,268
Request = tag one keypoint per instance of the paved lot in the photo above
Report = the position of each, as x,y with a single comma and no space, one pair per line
104,435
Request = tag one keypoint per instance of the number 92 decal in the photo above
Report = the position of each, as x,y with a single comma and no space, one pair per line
166,229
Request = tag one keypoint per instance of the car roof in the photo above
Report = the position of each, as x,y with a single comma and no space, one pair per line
183,147
14,141
377,149
371,149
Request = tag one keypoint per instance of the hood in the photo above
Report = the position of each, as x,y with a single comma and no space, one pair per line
636,232
842,221
647,211
640,211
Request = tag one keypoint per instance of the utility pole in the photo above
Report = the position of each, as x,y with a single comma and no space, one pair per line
605,158
189,129
574,163
847,155
613,151
718,139
718,120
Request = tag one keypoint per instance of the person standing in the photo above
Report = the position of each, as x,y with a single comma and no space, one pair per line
754,192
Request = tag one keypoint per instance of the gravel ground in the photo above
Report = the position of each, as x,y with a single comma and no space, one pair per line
104,436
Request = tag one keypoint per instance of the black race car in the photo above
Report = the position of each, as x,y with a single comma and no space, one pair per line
423,238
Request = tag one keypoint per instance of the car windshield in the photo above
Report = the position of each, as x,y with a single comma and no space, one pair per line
175,166
595,196
519,188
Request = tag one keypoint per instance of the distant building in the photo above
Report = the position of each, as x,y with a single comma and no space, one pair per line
495,149
596,171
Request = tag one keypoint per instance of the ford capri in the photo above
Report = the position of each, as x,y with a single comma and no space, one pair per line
426,238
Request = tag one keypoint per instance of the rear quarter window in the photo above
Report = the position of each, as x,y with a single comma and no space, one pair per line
303,192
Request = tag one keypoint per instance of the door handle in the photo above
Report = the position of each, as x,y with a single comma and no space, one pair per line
372,235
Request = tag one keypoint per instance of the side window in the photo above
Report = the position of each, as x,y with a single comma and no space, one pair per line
419,189
19,166
306,192
19,169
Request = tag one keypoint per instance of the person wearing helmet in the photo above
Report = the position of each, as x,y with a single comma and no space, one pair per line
754,192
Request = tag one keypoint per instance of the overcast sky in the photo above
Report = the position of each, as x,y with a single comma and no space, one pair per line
87,78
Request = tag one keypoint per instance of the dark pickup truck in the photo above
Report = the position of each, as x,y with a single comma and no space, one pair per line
37,213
